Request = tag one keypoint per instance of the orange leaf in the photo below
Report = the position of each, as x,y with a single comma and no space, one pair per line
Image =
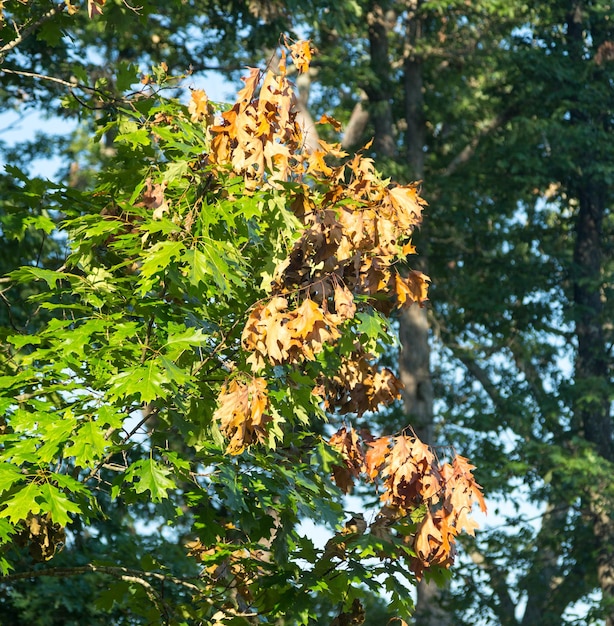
198,107
305,318
245,95
428,538
327,119
344,303
376,455
94,7
413,288
408,205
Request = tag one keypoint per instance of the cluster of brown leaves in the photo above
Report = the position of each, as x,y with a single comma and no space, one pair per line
358,385
412,479
278,335
242,413
356,229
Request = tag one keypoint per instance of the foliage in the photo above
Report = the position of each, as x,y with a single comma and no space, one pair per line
225,296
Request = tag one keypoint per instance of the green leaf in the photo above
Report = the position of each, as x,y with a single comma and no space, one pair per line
144,381
22,503
89,444
158,258
9,475
140,137
27,273
152,476
55,434
58,505
176,170
374,328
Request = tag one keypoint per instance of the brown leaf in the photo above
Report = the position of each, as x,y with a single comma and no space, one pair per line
408,205
344,303
428,538
327,119
94,7
301,53
242,413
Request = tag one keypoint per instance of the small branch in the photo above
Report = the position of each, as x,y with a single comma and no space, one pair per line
122,573
105,97
465,357
148,411
27,31
51,79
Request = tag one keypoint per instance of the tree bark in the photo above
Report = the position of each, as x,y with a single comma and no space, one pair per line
592,407
414,360
378,90
542,583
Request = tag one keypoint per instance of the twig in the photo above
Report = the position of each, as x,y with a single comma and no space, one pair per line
58,8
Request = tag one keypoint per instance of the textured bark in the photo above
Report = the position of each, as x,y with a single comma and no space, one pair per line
542,608
414,97
592,404
593,409
303,116
355,128
378,90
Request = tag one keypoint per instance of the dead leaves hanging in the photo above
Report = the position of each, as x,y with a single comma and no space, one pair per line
412,479
356,229
243,413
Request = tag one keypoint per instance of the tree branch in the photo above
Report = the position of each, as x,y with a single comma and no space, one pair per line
357,123
506,607
27,31
122,573
480,374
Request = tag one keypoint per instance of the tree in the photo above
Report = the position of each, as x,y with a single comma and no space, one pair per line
225,296
509,108
512,138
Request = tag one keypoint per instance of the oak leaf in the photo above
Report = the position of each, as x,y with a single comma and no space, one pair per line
198,107
301,53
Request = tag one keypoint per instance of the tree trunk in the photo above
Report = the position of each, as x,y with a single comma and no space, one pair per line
379,90
414,360
593,409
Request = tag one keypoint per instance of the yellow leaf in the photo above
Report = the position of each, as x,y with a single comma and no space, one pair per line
301,55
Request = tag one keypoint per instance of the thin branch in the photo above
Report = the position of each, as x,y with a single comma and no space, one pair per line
480,374
51,79
105,97
115,571
148,411
27,31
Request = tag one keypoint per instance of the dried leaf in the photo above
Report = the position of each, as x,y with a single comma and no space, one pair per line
198,107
